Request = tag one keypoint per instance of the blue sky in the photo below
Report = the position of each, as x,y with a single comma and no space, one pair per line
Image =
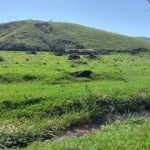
129,17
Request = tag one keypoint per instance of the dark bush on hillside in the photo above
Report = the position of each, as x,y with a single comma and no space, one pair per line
2,58
31,52
44,27
29,77
27,59
138,50
72,65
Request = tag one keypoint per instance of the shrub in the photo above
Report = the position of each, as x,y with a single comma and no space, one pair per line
31,52
29,77
2,58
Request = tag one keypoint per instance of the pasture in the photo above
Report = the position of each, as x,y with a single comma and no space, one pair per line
39,98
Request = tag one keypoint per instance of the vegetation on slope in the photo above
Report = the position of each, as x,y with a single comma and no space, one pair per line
53,36
145,38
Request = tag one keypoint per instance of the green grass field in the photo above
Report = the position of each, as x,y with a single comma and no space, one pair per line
39,98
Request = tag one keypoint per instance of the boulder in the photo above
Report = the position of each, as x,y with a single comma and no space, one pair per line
84,73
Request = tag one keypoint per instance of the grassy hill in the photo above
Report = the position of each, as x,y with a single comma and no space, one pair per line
145,38
51,36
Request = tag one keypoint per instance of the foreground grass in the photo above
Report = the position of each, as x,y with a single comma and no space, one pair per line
39,98
130,134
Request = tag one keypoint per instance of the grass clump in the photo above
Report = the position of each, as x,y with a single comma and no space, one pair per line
14,77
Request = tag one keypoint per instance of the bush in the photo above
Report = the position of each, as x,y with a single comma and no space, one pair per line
29,77
31,52
2,58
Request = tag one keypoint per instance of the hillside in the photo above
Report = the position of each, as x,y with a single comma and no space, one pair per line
51,36
145,38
